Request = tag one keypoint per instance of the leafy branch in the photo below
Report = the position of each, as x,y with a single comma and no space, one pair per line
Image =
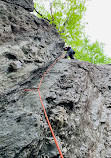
41,15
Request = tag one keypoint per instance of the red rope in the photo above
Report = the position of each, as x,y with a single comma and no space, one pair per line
45,110
50,126
33,89
44,107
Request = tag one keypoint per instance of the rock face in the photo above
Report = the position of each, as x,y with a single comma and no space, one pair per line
26,4
76,94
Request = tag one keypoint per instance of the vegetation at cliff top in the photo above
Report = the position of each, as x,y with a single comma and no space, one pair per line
66,16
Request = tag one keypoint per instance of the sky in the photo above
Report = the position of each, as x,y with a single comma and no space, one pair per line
98,16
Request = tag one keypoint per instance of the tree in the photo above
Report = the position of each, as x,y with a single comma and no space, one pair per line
92,52
66,16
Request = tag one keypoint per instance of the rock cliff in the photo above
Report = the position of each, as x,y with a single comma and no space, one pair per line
76,94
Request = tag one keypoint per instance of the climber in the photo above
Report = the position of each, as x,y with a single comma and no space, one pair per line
70,53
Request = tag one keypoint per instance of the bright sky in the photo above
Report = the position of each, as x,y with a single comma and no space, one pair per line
98,16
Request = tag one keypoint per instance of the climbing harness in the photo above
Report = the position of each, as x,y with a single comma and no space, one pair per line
44,107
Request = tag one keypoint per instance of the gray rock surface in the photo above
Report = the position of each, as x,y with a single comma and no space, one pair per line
76,94
26,4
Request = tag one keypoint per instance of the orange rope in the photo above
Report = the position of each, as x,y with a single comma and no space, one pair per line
45,110
34,89
50,126
44,107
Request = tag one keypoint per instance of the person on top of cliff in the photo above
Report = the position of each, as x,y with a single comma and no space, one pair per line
70,53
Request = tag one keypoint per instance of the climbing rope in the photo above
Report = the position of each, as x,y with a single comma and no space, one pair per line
44,107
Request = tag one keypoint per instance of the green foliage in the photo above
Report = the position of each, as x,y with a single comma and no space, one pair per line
67,16
92,52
